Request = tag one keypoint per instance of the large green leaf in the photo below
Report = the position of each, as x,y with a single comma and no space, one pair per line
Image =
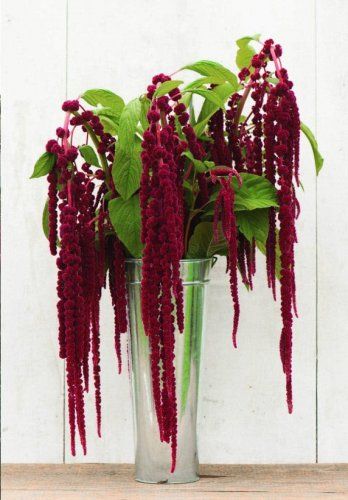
167,87
202,242
205,80
110,124
245,40
145,106
128,124
44,165
319,160
104,98
253,224
209,95
126,170
200,166
89,155
45,226
208,109
126,220
109,119
214,69
245,50
255,192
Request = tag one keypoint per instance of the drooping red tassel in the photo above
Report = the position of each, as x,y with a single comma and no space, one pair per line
225,202
117,282
161,200
52,212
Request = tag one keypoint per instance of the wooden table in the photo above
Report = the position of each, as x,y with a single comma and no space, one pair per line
106,481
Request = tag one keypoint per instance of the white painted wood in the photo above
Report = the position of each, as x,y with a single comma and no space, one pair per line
33,88
120,45
332,109
243,413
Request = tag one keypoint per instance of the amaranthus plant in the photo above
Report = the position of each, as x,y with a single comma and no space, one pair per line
164,178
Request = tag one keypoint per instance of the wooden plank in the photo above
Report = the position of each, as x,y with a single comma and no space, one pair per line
332,127
33,89
217,481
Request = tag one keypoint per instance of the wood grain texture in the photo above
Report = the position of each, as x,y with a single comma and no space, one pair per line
217,481
332,128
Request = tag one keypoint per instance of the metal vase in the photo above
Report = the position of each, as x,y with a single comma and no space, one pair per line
152,457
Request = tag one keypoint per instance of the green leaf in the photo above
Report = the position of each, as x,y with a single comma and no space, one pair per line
44,165
145,106
167,87
245,40
126,170
215,69
110,124
186,99
253,224
89,155
192,114
255,192
45,227
205,80
244,56
202,242
245,51
106,111
105,98
109,118
126,220
209,95
208,109
128,124
200,166
319,160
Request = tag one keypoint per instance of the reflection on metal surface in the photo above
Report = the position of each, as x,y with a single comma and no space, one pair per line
153,458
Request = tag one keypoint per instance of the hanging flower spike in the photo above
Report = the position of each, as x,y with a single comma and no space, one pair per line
70,255
79,277
52,212
278,121
162,211
220,153
117,281
286,150
225,203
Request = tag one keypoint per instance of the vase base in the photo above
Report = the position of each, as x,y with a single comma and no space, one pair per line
168,481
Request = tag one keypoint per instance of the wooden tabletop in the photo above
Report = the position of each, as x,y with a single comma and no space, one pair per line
106,481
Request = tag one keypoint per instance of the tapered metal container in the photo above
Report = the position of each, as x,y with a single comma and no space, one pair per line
153,458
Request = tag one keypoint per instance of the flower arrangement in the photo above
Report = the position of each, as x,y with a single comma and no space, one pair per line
157,180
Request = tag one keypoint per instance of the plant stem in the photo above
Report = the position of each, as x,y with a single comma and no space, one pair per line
240,107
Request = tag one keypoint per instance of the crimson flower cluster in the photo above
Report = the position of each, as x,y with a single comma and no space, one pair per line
162,207
86,246
270,147
186,179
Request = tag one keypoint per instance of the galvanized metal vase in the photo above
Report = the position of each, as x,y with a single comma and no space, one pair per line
153,458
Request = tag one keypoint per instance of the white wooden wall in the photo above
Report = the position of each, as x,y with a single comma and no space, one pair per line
54,49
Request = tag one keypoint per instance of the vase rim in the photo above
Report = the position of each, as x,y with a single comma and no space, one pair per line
203,259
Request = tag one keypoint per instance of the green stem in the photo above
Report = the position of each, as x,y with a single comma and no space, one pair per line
240,108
